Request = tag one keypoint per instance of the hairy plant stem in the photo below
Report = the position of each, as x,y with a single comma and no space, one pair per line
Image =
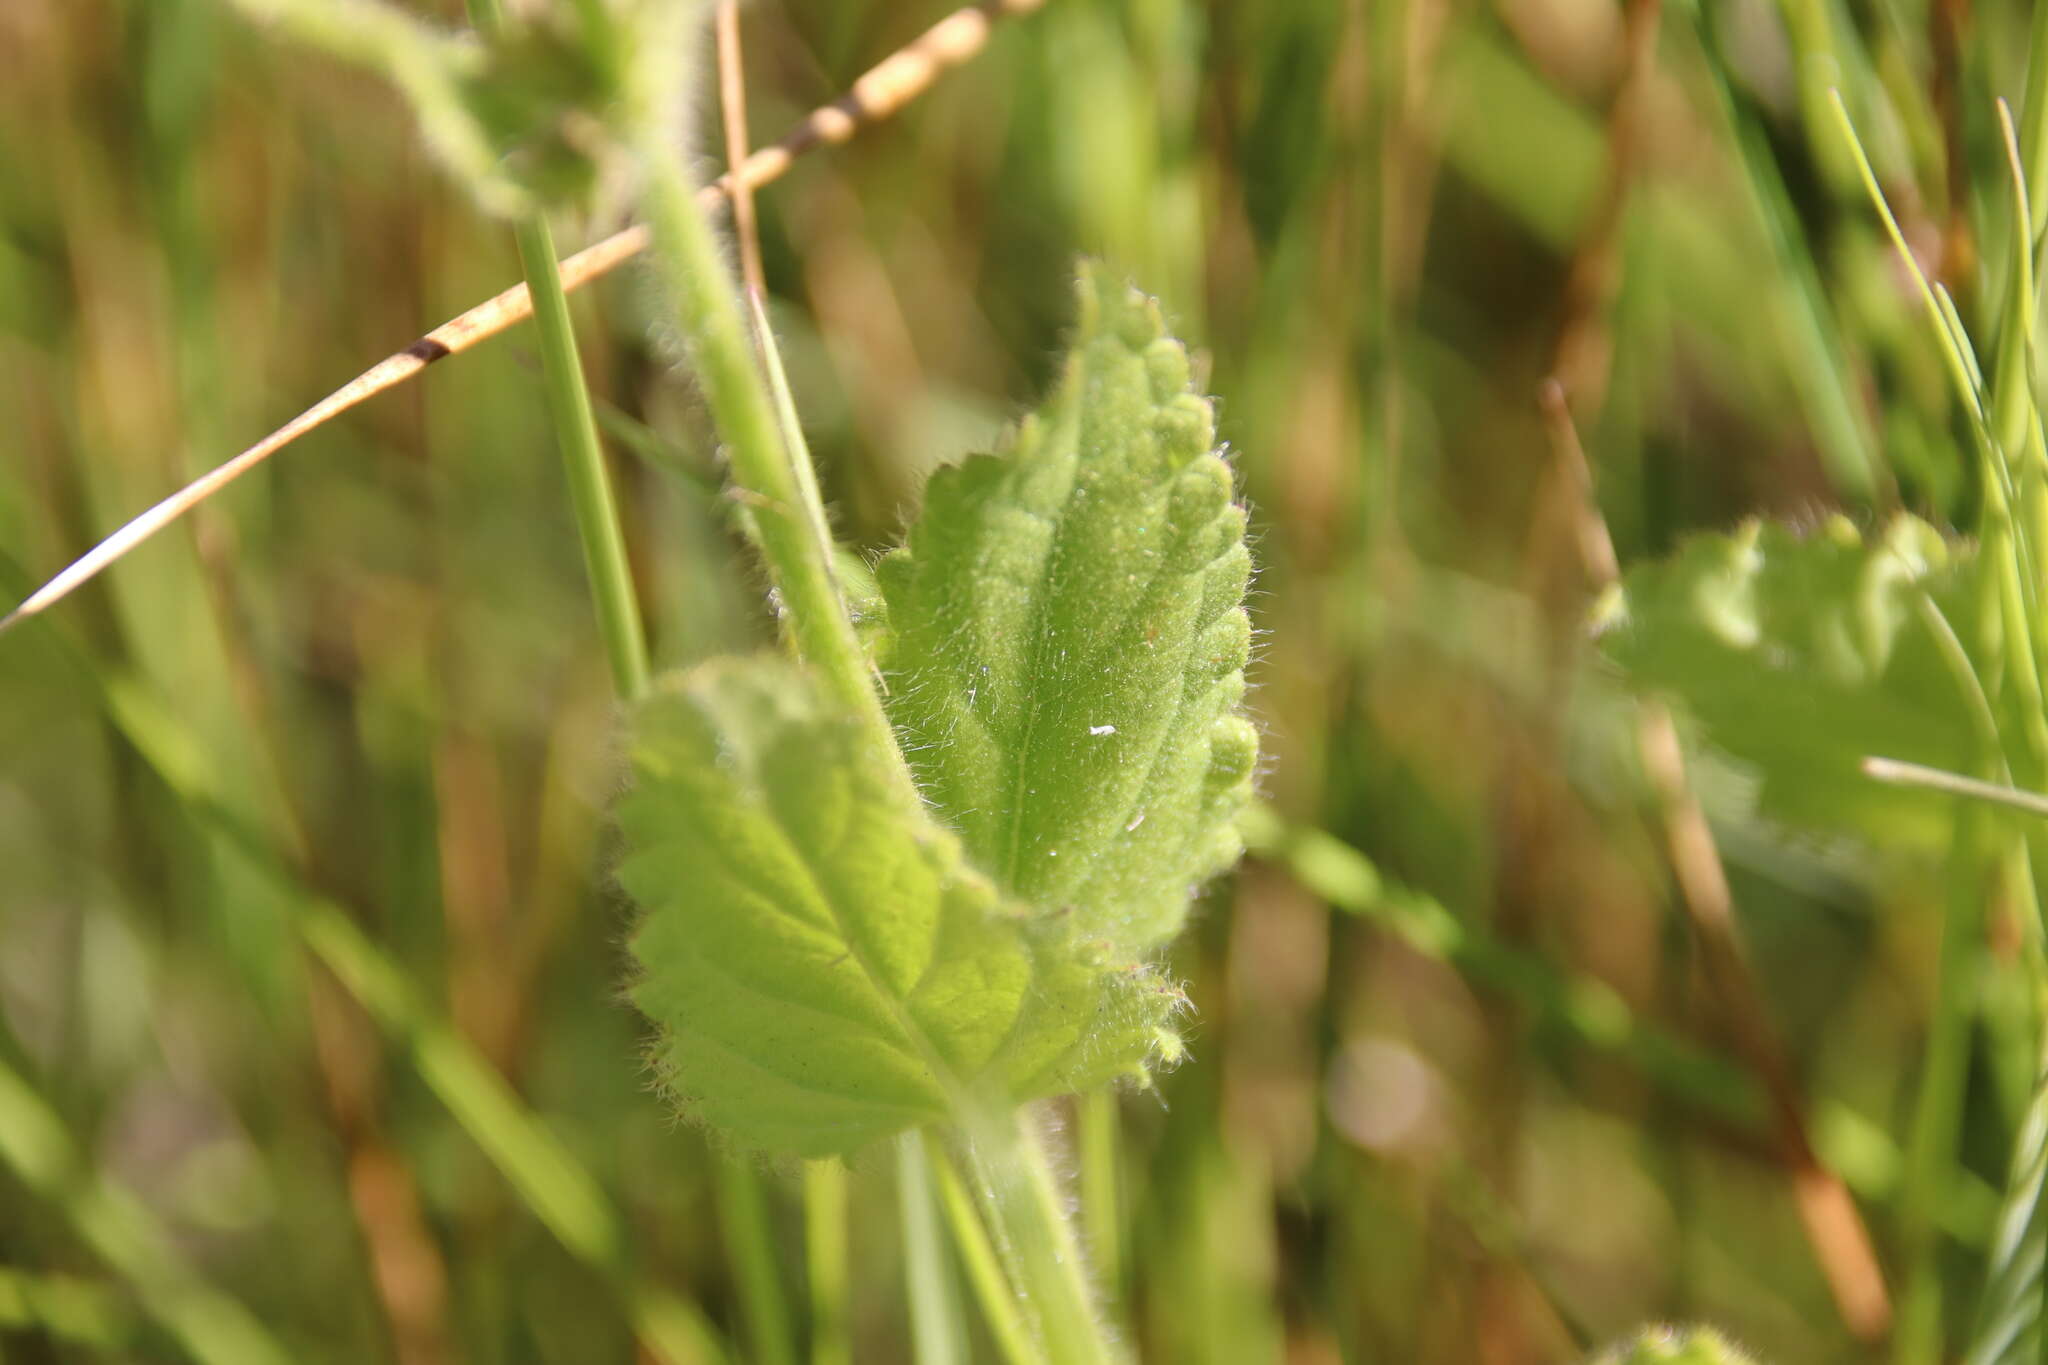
1095,1118
1021,1201
1000,1308
793,538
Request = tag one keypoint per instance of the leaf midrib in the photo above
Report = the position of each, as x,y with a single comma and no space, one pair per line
1069,429
1041,641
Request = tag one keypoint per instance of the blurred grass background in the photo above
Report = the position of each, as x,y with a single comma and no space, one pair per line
1475,1105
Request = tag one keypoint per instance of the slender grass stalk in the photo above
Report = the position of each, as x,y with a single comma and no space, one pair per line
1020,1199
2010,1311
1931,1151
1903,774
937,1334
2013,418
825,1257
2033,130
750,1242
2011,554
590,490
1841,424
800,462
1954,350
569,407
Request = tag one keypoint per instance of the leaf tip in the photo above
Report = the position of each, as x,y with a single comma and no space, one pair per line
1111,306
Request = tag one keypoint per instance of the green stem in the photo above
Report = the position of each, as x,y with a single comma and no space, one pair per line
2033,120
1100,1212
2010,1312
590,489
1021,1202
825,1255
936,1333
1830,391
1931,1155
569,407
793,539
984,1271
744,1228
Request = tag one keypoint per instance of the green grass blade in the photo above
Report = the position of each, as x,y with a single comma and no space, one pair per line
562,1195
213,1328
560,1192
1931,1154
825,1256
1955,346
73,1311
749,1237
1584,1007
2008,1329
590,489
1835,405
569,407
937,1335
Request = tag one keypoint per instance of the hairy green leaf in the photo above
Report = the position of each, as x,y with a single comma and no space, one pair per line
824,966
1802,654
1069,639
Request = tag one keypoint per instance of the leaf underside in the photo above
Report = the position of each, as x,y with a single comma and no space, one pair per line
1068,640
824,966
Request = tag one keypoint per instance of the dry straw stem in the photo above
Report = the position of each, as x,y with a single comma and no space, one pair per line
732,105
1834,1227
1900,773
887,87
